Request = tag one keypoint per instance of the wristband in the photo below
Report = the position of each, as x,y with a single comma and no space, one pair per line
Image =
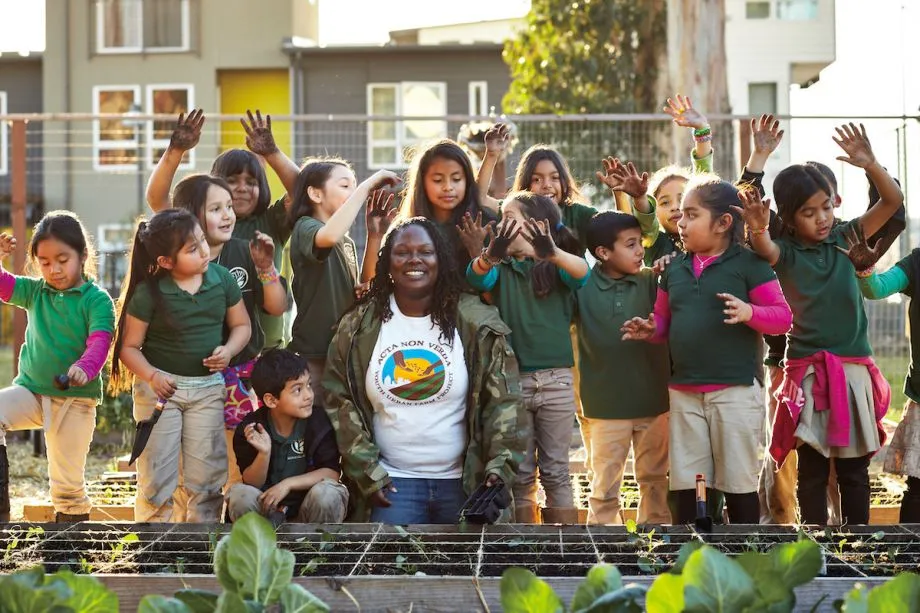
270,276
484,256
703,139
704,131
865,274
758,232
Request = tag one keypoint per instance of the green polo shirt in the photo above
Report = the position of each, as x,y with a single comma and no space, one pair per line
274,223
236,258
576,217
705,349
619,379
59,323
179,339
323,285
820,285
540,336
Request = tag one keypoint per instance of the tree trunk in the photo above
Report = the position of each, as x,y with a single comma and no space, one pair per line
696,67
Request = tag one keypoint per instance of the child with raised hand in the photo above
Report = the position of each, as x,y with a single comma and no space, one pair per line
243,170
324,261
713,303
441,187
903,455
532,267
251,264
286,450
173,311
543,171
833,395
668,185
623,385
70,324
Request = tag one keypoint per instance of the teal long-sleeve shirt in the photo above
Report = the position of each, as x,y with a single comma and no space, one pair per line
878,286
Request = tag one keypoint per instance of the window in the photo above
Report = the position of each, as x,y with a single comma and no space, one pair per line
388,140
4,140
114,141
761,98
479,99
757,10
797,10
168,100
132,26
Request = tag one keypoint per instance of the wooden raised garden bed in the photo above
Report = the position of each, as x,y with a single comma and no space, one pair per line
436,568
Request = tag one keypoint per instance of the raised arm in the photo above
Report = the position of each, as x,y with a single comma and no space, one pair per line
274,294
766,137
497,138
378,215
185,137
756,215
538,234
855,142
261,141
681,110
337,225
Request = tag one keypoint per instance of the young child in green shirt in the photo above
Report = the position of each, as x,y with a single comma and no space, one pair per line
623,385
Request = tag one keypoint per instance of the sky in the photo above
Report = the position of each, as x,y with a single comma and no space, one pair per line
869,77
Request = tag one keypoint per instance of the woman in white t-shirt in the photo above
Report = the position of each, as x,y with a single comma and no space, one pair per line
422,387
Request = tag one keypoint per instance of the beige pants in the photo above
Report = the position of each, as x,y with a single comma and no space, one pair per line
186,455
325,503
610,442
777,488
549,397
68,424
717,434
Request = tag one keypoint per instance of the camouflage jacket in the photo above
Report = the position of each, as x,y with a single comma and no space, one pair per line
497,426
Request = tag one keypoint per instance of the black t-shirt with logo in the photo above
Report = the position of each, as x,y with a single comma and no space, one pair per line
310,446
235,257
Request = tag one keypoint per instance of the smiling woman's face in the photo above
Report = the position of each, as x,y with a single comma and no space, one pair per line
413,263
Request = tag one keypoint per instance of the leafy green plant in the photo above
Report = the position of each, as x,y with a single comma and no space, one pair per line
900,594
253,571
31,590
601,591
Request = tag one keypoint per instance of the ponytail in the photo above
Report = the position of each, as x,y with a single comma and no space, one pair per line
162,236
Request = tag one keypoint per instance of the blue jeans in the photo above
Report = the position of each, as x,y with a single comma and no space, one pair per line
422,501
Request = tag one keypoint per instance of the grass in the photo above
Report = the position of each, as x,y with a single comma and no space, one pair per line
894,368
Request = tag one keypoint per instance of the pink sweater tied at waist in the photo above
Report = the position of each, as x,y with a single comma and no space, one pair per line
830,392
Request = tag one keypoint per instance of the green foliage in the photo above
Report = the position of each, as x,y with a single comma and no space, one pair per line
586,57
115,414
602,591
32,591
900,594
255,574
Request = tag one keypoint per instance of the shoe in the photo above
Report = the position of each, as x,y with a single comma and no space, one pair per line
526,513
4,486
68,518
560,515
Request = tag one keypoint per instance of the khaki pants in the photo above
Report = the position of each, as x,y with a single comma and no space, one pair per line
68,423
719,435
610,442
325,503
234,475
549,398
184,466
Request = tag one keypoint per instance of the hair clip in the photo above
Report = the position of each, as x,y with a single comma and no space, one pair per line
560,226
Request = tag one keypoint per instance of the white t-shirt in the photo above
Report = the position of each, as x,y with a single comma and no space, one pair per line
417,385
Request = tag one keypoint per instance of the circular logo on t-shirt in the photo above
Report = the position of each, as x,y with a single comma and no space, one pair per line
240,275
413,374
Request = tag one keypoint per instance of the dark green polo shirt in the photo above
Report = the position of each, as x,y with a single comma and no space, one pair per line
323,286
59,322
619,379
820,285
274,223
310,446
705,349
576,217
236,258
193,325
665,244
541,336
910,265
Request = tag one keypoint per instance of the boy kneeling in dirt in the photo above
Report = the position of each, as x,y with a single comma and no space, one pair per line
286,451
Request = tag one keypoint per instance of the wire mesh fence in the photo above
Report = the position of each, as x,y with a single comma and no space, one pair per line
97,165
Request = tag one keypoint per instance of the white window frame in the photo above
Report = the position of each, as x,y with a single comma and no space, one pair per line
483,97
4,138
100,32
400,142
100,145
149,142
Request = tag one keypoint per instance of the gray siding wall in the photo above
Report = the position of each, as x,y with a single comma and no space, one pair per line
21,79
